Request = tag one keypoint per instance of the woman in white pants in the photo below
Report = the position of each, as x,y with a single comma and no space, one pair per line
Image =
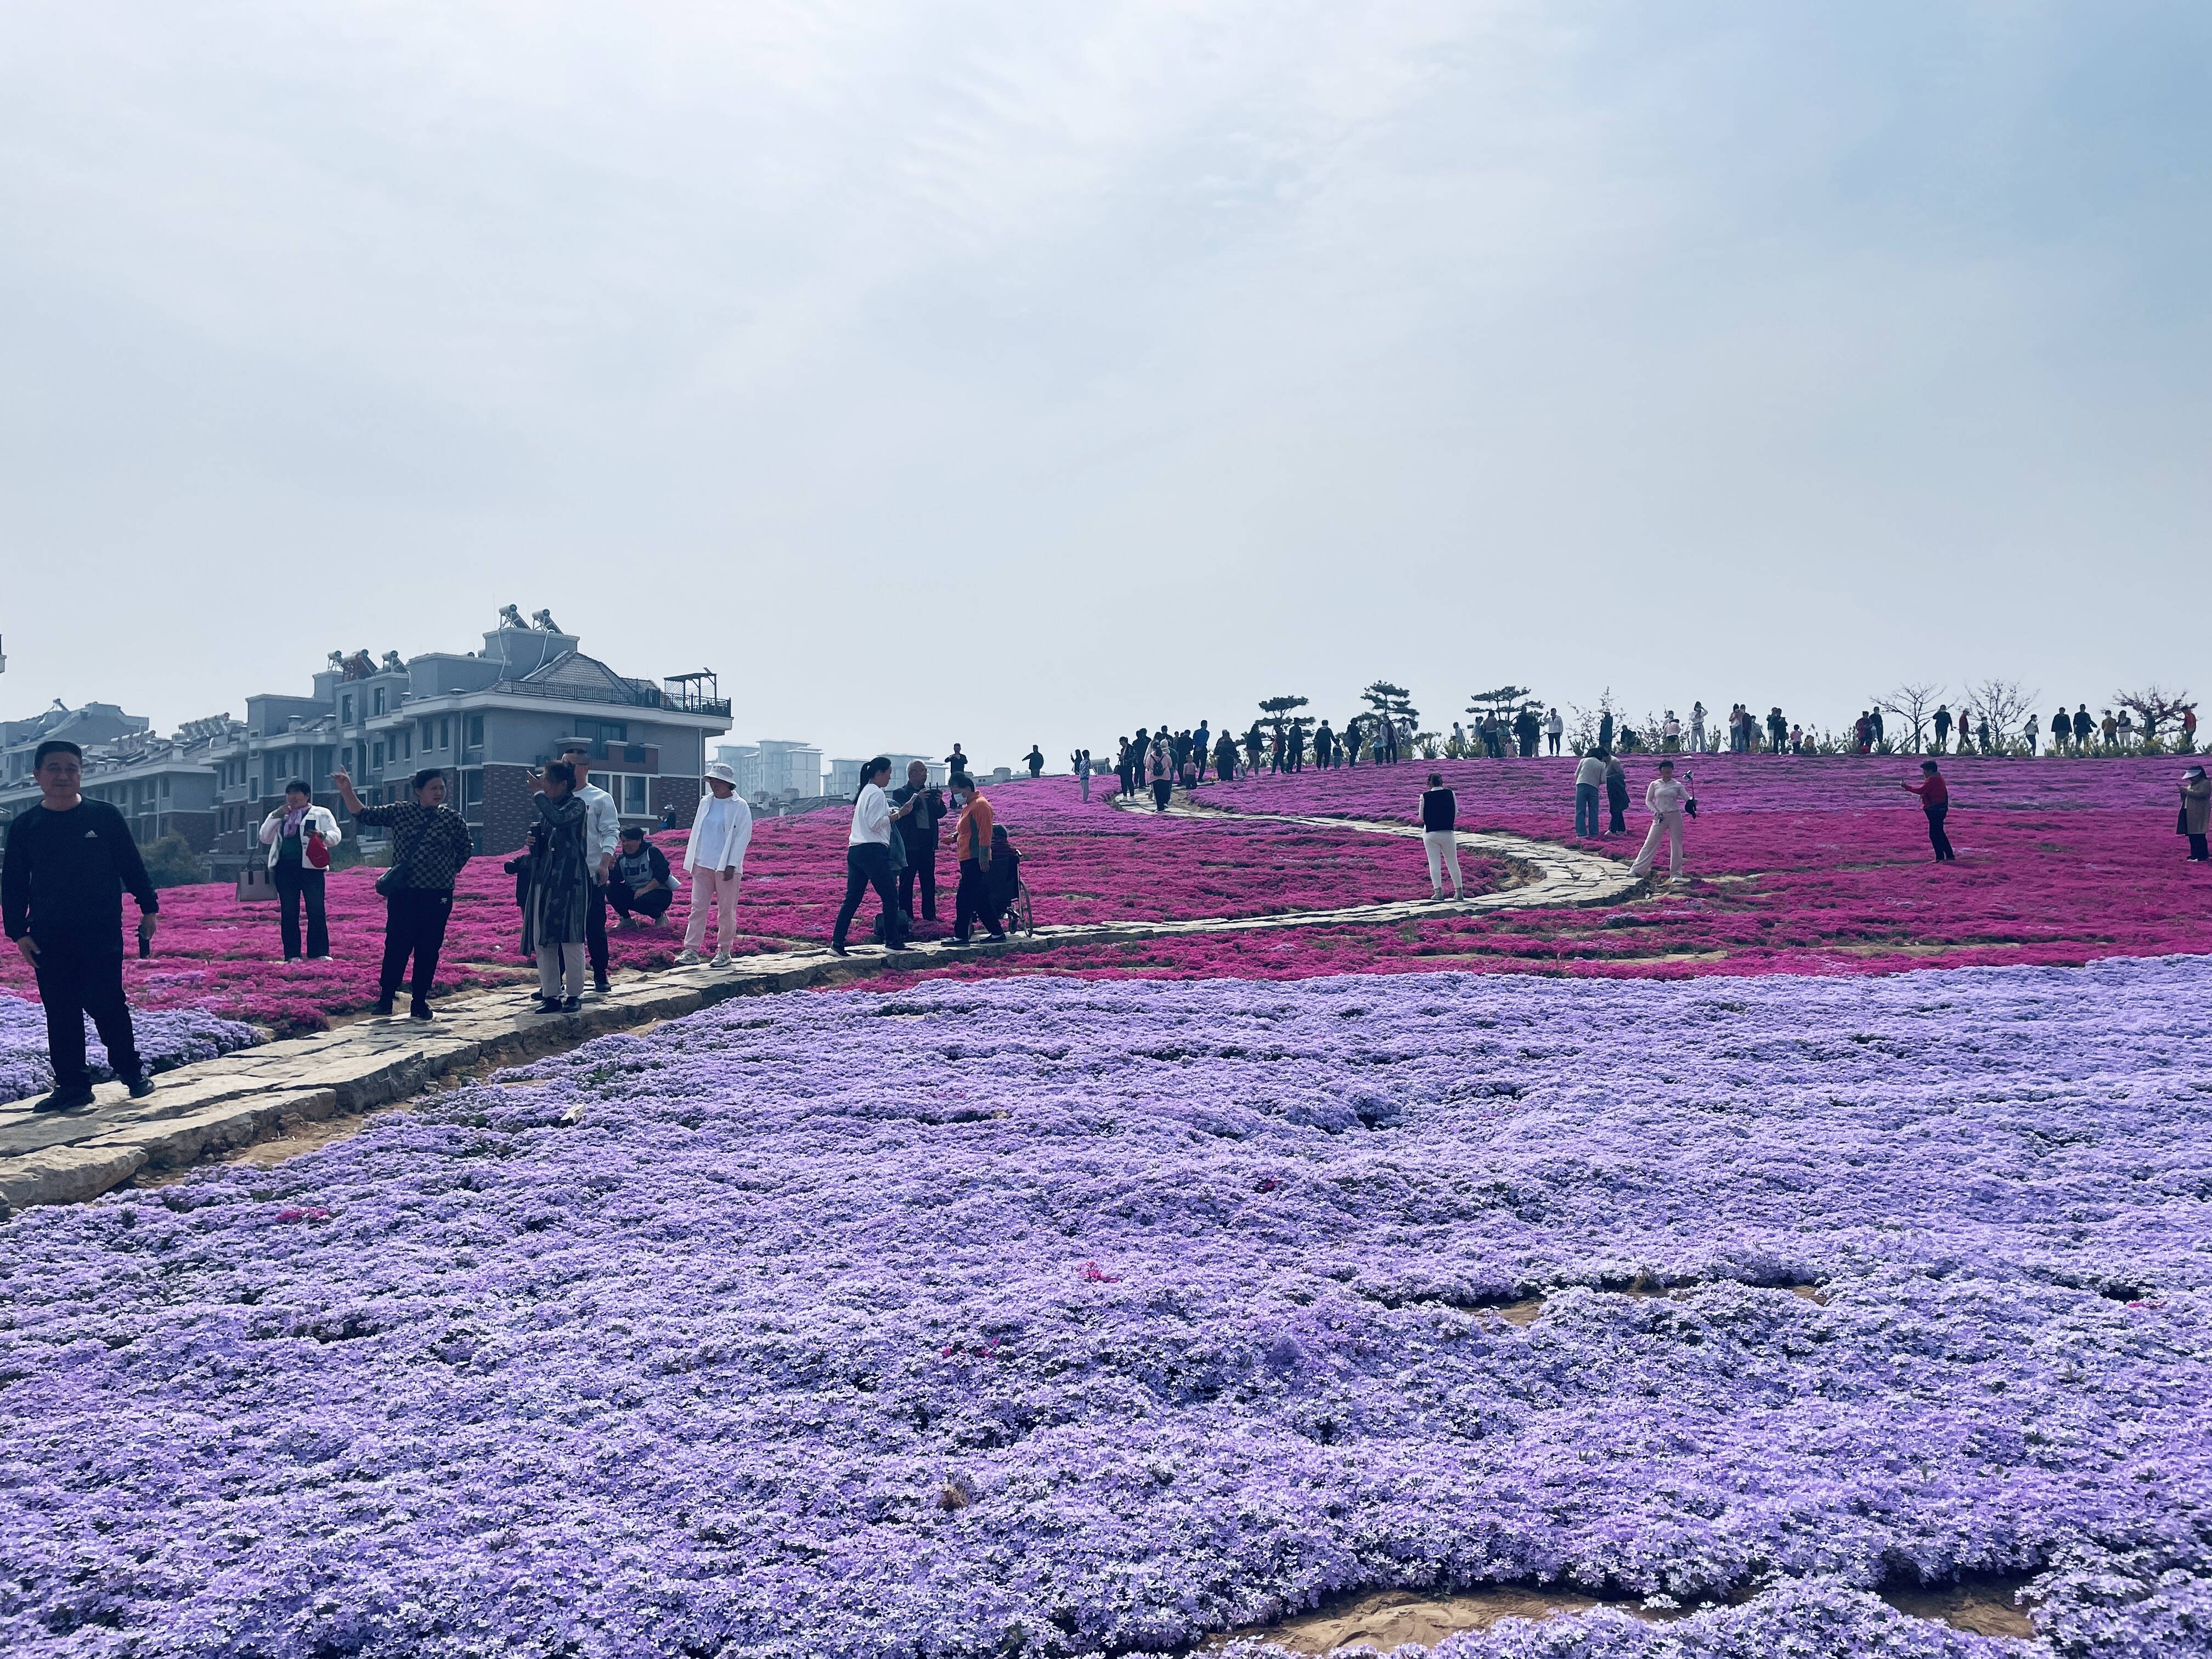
1439,839
714,854
1666,800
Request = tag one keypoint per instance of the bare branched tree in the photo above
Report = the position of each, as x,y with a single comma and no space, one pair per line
2004,703
2156,707
1912,703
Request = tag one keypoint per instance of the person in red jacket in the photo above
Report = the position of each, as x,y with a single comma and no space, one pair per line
1936,801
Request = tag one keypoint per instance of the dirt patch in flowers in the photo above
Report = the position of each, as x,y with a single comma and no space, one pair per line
1389,1620
1983,1605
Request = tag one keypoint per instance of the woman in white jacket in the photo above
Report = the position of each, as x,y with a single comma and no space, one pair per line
290,834
714,854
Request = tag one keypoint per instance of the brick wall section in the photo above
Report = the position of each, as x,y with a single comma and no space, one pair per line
506,809
683,793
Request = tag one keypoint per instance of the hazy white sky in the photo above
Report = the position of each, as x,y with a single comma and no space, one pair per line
1019,371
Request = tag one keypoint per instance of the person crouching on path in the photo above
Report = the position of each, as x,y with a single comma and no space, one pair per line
68,862
868,855
1590,785
2196,811
1936,801
641,883
971,845
1667,800
429,845
560,890
1439,813
714,857
290,834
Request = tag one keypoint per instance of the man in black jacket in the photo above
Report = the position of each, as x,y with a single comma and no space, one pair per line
917,834
61,892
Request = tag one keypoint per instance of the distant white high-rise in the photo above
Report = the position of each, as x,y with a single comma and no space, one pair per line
775,768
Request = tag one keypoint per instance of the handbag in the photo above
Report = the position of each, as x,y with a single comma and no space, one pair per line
317,852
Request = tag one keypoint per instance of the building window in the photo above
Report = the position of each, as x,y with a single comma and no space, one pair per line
476,731
604,731
378,696
345,708
406,741
472,792
376,758
445,732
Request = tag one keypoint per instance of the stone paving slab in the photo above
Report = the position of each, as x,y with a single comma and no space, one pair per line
229,1101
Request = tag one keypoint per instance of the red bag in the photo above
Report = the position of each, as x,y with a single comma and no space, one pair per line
318,855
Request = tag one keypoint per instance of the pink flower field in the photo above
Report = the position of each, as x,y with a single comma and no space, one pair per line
1794,864
1083,863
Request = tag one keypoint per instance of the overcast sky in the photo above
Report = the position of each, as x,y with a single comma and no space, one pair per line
1029,372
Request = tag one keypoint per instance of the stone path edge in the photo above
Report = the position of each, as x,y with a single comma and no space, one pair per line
216,1106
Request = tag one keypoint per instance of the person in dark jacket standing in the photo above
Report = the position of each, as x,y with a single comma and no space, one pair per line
1936,801
1439,839
1943,724
2083,726
429,845
68,862
1616,797
1225,758
1035,758
917,834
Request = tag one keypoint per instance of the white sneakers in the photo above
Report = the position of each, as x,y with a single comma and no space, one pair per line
721,959
687,957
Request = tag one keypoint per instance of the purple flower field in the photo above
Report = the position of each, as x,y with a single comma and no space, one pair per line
1038,1317
167,1037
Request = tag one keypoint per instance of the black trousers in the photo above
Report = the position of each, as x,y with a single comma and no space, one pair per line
1936,838
595,929
922,868
2197,850
626,902
971,901
1616,811
414,925
867,864
296,884
73,983
1162,788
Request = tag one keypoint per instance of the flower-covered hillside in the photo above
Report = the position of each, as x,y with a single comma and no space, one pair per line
1082,863
1063,1319
1794,864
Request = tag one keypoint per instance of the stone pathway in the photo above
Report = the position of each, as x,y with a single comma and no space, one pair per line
217,1105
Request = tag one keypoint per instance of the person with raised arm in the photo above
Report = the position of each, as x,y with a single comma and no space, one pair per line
429,845
1936,801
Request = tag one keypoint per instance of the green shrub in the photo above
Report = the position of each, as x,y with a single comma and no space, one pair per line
171,862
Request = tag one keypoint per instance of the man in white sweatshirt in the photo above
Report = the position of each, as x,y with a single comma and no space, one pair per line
714,854
1666,800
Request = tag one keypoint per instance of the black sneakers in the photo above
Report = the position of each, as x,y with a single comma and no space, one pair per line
62,1100
420,1009
572,1006
141,1085
599,984
383,1009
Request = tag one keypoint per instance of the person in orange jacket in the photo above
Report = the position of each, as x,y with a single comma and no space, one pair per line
971,845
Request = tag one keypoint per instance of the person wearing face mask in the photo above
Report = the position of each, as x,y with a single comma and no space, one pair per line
971,845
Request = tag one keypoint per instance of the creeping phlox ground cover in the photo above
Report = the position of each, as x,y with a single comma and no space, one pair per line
1083,862
1062,1317
1796,865
165,1039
